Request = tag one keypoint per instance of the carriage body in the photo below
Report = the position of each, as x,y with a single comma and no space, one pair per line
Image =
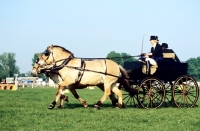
169,84
166,71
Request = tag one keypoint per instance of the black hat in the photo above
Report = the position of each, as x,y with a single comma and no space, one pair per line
165,45
154,38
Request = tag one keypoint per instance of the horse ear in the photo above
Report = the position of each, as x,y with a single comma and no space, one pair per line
50,47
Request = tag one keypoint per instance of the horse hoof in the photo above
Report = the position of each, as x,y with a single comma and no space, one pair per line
119,106
85,106
96,107
66,98
51,106
59,106
124,105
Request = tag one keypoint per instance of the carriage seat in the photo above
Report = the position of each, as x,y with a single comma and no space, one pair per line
170,56
152,69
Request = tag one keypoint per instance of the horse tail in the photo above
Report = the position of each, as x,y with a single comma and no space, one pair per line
124,81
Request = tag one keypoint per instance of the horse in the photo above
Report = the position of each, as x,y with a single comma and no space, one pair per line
53,75
80,73
56,78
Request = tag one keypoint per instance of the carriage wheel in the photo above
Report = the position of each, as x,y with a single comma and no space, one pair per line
151,93
185,91
130,100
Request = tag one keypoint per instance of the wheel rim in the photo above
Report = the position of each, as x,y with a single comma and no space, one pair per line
151,93
185,92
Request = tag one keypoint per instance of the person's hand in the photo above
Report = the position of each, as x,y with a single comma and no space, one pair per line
146,56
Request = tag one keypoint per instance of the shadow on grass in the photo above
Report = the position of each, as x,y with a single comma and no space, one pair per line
77,105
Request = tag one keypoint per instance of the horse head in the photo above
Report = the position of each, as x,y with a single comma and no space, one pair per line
53,55
37,68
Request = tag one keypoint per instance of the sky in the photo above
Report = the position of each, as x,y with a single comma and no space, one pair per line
94,28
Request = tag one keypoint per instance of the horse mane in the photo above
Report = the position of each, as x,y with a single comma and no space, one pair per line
64,49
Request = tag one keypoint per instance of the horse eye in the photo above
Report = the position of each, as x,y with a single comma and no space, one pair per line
46,52
37,60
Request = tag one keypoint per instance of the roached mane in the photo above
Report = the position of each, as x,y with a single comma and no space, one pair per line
64,49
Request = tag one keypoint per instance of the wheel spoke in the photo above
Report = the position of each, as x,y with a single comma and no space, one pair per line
128,100
125,97
189,99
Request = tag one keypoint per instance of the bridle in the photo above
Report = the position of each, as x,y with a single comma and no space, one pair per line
47,53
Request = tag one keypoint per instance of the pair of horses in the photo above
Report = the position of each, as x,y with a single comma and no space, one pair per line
74,73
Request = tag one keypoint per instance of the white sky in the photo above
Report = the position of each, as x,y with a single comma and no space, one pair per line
94,28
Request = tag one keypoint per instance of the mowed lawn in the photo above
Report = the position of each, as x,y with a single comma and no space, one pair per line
27,109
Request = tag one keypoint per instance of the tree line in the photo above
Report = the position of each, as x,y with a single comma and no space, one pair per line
8,65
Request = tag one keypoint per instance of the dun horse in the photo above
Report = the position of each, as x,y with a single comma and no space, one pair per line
80,73
53,75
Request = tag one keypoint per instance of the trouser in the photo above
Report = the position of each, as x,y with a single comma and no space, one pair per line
151,61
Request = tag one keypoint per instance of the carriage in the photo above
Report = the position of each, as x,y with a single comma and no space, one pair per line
162,85
143,85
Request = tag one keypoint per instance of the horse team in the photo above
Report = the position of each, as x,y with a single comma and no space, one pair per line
73,73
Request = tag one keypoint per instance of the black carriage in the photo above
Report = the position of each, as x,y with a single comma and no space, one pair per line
164,84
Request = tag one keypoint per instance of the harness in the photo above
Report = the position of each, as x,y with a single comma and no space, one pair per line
54,69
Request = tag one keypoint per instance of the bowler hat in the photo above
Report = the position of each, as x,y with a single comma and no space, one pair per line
165,45
154,38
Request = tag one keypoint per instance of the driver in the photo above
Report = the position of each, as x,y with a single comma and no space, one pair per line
156,51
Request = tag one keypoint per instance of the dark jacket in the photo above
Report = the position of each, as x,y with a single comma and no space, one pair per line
157,52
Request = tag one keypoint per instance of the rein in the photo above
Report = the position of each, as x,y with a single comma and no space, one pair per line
64,64
81,69
66,61
55,67
108,58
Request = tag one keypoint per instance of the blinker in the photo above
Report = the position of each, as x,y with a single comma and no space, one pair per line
46,53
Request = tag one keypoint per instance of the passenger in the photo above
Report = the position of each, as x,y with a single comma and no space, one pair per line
166,50
164,46
156,52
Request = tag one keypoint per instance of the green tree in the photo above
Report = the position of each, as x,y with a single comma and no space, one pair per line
194,68
8,65
115,57
120,58
127,57
34,59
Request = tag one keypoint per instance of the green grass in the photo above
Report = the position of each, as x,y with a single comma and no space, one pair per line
27,109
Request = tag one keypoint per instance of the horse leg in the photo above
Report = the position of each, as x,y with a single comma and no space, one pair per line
112,96
63,98
113,99
119,94
106,94
73,91
58,94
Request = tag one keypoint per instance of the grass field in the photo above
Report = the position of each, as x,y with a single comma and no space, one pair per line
27,109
